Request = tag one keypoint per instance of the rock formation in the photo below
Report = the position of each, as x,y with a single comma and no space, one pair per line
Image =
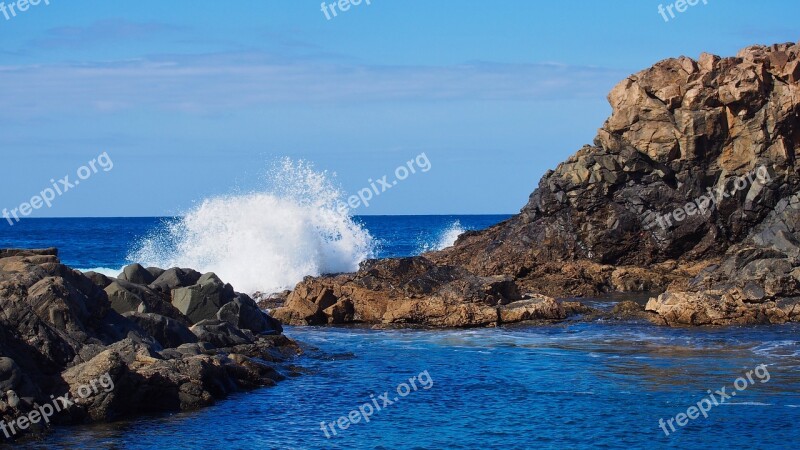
61,329
690,186
413,291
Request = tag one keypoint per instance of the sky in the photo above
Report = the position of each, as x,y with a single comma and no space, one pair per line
195,99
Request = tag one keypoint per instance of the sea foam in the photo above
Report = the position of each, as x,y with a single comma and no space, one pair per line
444,238
264,241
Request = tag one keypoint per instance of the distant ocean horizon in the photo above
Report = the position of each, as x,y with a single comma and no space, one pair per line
107,244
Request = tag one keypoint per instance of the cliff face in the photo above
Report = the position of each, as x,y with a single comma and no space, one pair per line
678,131
690,186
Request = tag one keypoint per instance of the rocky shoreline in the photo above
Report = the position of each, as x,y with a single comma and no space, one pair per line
621,215
166,340
615,217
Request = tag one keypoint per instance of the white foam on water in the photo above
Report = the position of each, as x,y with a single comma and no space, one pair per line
445,238
107,271
746,404
785,348
265,241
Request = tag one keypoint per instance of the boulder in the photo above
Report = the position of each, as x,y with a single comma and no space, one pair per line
155,272
59,333
122,300
203,300
98,279
175,278
244,314
220,334
539,308
168,332
136,274
10,374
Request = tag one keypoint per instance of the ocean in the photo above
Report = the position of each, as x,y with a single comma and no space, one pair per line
602,384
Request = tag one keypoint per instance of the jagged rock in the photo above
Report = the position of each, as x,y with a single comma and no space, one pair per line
676,130
58,332
244,314
141,381
175,278
633,212
412,291
203,300
272,301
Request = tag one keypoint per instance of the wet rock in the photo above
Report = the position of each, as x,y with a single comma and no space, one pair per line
538,308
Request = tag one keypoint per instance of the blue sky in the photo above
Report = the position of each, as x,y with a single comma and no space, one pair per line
196,98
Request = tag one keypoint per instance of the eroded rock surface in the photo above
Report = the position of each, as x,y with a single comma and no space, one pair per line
627,213
60,330
413,291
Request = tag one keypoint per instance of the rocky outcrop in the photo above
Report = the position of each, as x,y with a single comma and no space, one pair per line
413,291
677,130
60,330
687,187
756,282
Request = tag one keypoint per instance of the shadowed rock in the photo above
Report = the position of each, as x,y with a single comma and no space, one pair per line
203,300
60,331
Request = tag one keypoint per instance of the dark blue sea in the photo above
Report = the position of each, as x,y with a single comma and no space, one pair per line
572,385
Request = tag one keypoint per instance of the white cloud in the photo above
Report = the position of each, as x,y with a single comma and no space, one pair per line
231,81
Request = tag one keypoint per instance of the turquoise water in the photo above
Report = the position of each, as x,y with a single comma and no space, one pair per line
572,385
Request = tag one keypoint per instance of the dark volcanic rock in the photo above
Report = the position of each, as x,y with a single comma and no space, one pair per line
757,282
